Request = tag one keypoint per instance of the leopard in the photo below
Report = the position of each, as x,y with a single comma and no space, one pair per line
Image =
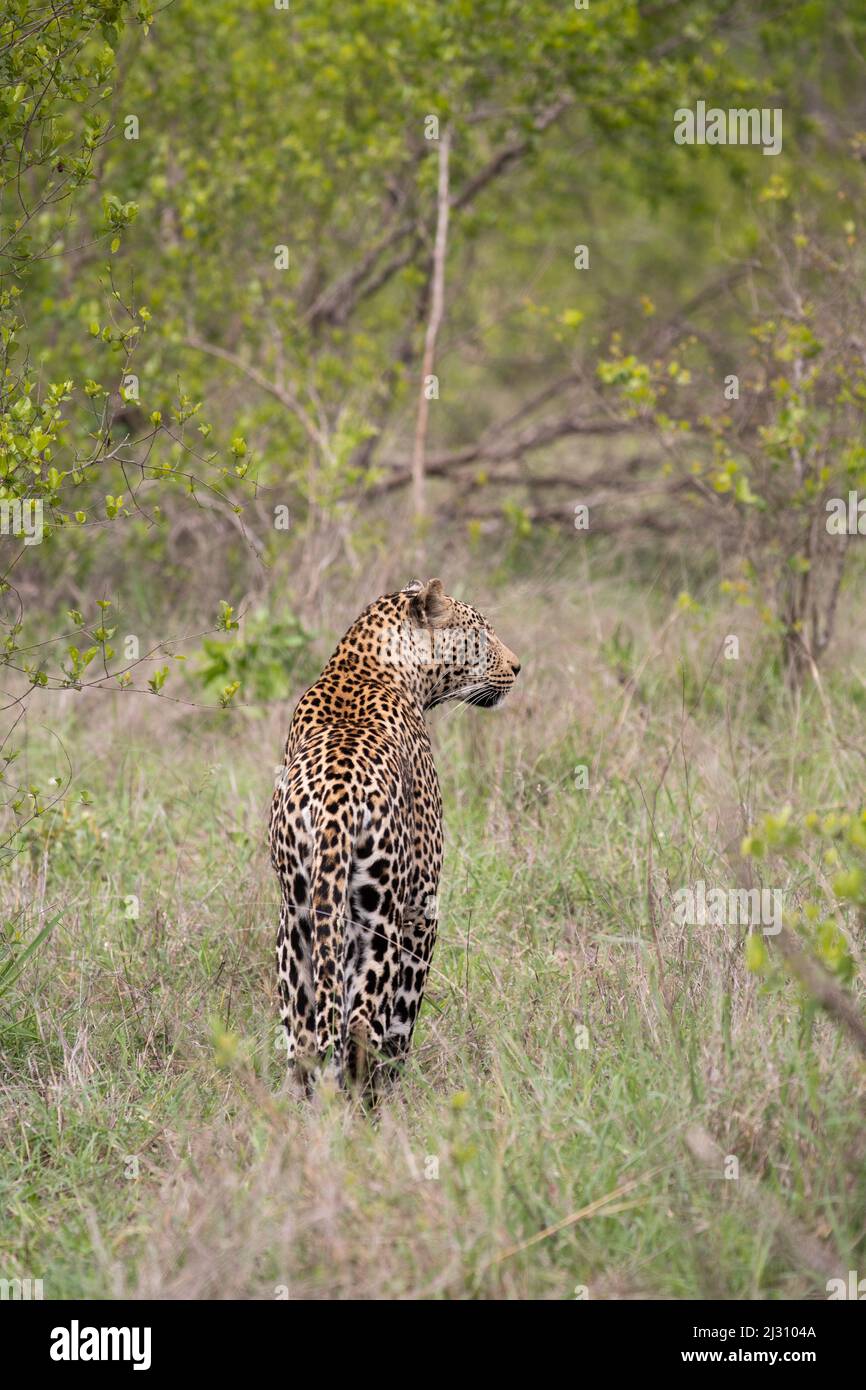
356,832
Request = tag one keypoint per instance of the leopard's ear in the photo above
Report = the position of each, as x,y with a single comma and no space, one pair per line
430,604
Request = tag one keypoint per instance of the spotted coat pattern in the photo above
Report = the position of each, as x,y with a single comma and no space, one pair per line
356,827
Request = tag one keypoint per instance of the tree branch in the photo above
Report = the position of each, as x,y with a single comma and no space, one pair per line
437,304
283,394
338,301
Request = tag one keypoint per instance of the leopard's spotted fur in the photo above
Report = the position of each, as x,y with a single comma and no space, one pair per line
356,825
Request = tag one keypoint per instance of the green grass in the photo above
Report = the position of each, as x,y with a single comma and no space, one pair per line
151,1145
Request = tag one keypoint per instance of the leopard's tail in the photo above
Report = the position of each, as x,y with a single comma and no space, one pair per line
329,900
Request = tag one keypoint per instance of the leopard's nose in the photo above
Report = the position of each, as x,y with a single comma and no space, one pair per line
515,666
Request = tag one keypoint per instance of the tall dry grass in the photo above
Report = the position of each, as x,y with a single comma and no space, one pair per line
576,1038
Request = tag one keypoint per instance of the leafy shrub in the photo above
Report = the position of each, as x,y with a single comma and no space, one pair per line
834,846
266,662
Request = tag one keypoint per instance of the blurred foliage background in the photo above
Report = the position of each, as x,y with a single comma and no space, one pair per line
218,228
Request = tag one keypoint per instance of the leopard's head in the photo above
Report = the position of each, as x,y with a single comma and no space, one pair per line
450,650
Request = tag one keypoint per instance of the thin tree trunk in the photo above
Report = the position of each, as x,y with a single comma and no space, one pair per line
437,301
